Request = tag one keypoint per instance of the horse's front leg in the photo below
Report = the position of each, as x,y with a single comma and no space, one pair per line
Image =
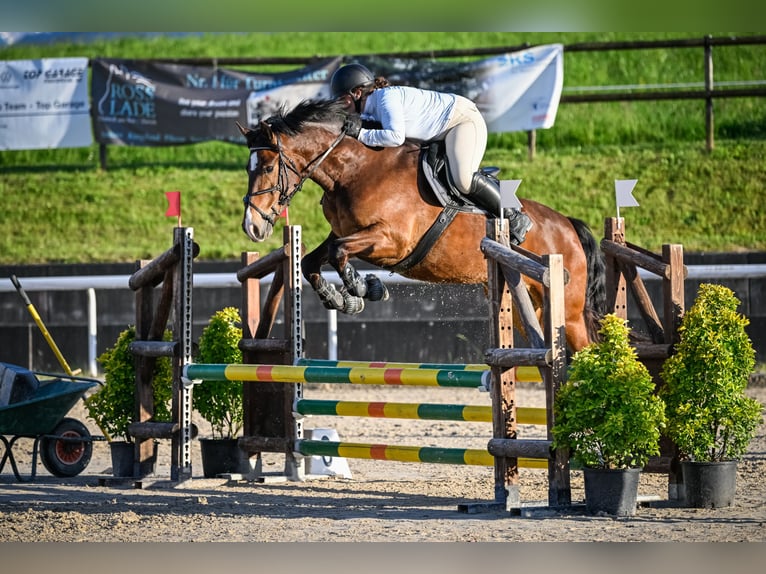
331,298
370,288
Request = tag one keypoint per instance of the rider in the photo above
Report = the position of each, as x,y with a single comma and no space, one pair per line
426,115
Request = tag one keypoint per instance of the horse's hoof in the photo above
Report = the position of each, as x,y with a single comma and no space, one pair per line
353,305
330,297
376,291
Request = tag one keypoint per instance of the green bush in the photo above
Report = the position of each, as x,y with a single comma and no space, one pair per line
113,406
607,413
709,417
220,402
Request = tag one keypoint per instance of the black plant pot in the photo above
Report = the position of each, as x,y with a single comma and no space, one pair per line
611,491
123,458
222,456
709,484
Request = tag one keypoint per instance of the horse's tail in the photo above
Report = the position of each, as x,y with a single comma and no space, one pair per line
595,297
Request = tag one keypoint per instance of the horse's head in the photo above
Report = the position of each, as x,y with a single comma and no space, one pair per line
266,182
280,161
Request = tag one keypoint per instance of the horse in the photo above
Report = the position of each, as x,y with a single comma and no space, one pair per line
379,206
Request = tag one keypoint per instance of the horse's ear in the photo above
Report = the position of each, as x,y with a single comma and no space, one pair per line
266,129
243,130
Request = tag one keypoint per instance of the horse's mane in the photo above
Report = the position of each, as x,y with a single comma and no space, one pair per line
308,112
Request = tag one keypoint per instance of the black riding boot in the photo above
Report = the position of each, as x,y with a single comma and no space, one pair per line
485,193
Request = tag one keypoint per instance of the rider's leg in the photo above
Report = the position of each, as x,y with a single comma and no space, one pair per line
465,144
485,193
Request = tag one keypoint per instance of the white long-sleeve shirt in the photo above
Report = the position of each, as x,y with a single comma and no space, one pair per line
405,112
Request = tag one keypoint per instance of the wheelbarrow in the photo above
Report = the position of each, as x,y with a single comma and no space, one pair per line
34,405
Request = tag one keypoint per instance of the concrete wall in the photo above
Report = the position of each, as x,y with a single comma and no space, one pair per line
420,323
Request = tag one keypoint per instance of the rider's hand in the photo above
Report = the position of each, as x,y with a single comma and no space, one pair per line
352,125
348,102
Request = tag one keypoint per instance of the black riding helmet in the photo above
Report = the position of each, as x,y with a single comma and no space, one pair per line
348,77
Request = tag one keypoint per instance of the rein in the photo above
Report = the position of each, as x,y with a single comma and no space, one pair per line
286,163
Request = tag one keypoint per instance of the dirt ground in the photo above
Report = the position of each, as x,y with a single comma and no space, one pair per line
381,502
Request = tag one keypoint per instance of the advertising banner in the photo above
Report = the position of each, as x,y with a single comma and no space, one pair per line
518,91
44,104
146,103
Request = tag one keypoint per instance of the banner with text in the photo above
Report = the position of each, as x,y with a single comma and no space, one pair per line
518,91
145,103
44,104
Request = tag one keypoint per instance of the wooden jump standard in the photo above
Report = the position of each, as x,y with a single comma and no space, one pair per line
174,270
546,350
622,261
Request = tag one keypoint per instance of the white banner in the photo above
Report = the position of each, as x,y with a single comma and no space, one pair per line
44,104
521,90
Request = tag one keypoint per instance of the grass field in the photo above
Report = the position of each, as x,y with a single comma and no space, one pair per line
58,206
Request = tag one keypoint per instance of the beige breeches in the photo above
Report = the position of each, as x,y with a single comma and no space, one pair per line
465,141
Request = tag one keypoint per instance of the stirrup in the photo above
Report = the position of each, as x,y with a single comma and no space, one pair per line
519,224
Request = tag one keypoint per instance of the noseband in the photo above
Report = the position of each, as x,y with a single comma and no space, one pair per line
285,164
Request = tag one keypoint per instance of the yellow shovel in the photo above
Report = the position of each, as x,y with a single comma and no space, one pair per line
41,325
49,339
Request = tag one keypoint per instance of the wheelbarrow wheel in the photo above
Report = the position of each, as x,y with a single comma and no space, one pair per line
62,454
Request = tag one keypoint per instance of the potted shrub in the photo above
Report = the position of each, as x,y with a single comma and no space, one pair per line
113,406
220,402
710,419
609,417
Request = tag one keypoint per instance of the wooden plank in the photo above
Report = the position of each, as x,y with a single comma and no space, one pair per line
554,311
151,429
153,348
260,267
270,346
673,291
507,358
153,271
624,253
616,288
508,258
645,305
520,448
503,388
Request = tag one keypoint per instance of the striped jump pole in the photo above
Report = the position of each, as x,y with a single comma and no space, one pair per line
462,456
443,412
340,375
523,374
392,365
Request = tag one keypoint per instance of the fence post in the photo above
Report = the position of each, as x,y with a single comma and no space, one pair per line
709,123
503,389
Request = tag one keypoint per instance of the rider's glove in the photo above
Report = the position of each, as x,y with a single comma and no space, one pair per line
352,125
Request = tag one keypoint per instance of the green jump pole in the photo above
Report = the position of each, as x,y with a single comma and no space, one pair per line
523,374
391,365
461,456
395,453
444,412
352,375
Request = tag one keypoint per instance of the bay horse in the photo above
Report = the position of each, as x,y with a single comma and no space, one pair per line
379,206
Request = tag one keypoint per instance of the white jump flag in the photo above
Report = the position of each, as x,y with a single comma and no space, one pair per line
508,197
623,189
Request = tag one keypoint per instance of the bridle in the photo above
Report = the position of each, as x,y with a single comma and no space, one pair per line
286,164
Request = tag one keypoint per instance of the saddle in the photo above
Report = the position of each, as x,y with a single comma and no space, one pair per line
434,166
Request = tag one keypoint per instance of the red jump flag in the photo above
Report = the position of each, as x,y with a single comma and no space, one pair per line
174,203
